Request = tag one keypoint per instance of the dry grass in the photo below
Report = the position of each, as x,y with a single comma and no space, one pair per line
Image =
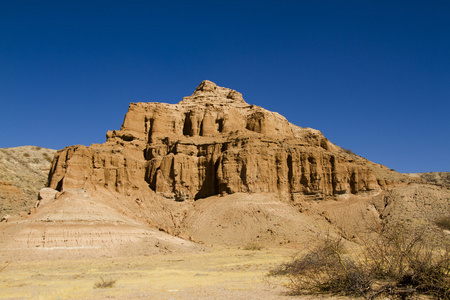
222,274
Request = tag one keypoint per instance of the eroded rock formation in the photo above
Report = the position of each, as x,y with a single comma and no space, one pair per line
213,143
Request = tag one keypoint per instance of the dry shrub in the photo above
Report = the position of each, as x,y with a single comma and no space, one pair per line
47,158
109,283
253,247
325,269
349,151
4,267
399,262
444,223
412,259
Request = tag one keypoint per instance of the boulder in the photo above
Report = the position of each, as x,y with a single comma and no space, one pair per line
46,195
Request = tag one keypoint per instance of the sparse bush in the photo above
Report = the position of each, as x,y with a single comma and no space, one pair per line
399,262
109,283
349,151
46,157
444,223
326,269
253,247
26,154
412,260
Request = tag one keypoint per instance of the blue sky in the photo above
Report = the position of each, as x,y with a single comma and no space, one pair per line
373,76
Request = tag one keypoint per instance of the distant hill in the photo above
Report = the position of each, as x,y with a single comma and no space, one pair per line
23,172
439,178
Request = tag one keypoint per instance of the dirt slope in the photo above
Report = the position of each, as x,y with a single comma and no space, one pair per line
23,172
250,220
80,225
438,178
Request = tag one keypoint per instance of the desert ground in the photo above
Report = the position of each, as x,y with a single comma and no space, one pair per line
103,238
208,274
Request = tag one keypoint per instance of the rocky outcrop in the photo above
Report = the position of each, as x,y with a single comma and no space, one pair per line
214,143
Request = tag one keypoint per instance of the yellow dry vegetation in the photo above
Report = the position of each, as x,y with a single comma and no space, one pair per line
219,274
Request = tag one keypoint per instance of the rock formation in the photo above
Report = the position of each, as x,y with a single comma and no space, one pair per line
211,170
214,143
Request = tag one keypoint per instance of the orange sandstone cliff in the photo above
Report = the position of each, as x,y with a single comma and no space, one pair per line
214,143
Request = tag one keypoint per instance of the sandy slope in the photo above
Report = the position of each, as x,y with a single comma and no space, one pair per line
438,178
81,224
23,172
77,225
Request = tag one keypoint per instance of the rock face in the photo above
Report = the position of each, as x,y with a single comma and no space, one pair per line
214,143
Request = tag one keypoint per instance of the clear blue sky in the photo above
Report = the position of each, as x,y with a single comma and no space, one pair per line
373,76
